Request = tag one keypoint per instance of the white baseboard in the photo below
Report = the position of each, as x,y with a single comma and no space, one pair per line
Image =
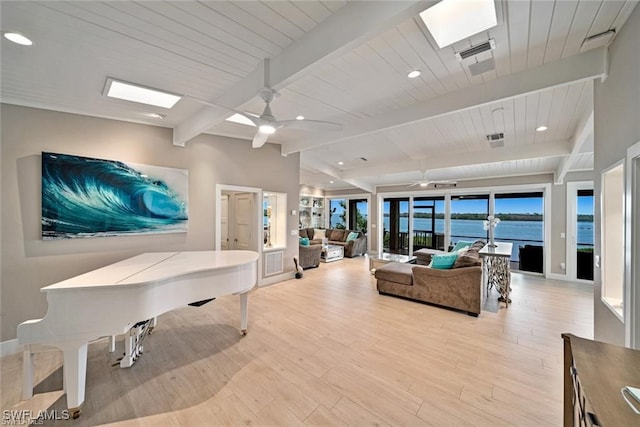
10,347
557,276
276,279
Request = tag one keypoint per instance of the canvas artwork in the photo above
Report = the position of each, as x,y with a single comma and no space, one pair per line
87,197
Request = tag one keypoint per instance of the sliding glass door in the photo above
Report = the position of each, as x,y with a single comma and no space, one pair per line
522,223
428,223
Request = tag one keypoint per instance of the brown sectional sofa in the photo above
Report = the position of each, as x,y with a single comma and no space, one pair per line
338,237
458,288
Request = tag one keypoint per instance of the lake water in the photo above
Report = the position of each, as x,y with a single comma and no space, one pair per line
520,233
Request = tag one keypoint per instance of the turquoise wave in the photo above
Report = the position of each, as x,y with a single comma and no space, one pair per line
84,197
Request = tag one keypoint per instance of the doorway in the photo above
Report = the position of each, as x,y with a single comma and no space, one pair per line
238,218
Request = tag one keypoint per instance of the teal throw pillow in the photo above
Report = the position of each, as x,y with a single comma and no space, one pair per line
444,261
461,244
304,241
352,236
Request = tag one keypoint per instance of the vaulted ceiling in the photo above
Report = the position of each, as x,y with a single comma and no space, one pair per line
338,61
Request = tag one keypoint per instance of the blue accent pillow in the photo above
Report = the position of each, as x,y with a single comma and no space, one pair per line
460,244
352,236
444,261
304,241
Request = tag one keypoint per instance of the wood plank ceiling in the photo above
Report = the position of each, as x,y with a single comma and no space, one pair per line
214,51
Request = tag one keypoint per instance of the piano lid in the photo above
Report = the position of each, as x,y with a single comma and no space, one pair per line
153,266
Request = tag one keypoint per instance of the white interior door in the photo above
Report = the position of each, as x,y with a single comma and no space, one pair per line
243,221
224,222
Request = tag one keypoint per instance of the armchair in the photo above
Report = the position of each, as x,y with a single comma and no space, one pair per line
309,256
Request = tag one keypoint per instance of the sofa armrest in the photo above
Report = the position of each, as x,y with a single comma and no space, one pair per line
355,247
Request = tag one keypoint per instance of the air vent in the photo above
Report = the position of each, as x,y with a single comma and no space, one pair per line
496,140
475,50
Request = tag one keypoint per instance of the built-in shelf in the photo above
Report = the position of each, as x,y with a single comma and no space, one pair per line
312,212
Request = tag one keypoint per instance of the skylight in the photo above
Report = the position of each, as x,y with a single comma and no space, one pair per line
453,20
141,94
239,118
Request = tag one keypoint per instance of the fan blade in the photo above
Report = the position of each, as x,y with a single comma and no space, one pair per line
259,139
311,125
251,117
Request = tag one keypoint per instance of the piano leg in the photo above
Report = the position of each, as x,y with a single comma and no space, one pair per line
243,312
27,373
74,371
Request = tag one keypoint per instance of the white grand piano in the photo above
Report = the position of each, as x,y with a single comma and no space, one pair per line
111,300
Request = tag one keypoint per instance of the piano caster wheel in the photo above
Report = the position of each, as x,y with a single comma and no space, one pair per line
74,413
150,330
244,332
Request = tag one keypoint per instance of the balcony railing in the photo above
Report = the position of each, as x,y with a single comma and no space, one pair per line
421,239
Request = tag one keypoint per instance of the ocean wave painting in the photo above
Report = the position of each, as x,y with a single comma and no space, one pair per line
86,197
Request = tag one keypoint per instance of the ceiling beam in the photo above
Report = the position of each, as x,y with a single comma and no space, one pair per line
585,66
528,151
349,27
583,133
332,172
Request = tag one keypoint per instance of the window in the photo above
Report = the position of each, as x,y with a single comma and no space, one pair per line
396,226
338,213
467,216
522,223
584,235
358,213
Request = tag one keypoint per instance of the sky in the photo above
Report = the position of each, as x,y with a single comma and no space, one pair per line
521,206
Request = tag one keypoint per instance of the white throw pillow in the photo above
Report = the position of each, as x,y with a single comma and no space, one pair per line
318,234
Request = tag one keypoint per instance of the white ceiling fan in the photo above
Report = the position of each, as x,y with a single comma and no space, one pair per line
268,125
424,182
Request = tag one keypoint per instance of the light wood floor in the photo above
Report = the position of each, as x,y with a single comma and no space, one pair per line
328,350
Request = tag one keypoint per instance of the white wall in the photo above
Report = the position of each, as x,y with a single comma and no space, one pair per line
29,263
617,127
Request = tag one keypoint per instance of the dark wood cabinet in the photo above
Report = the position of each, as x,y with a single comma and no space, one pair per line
594,374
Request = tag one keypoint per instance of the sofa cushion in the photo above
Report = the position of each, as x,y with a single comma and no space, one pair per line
444,261
467,258
352,236
337,235
461,244
397,272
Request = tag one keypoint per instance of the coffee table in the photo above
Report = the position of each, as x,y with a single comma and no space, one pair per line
331,253
386,258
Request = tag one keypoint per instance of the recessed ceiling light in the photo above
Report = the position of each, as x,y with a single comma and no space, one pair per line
18,38
141,94
450,21
300,118
239,118
156,116
341,163
267,129
541,128
331,182
424,184
413,74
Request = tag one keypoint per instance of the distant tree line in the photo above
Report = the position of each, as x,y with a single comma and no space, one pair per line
502,216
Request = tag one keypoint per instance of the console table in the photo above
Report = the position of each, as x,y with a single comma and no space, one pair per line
496,262
594,373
